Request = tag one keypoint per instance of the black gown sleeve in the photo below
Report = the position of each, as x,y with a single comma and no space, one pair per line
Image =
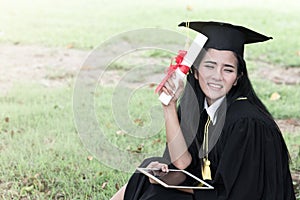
252,163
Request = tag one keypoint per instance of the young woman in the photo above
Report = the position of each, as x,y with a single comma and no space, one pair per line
221,131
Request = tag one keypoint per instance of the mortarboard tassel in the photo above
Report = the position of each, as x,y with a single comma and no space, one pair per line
187,41
206,173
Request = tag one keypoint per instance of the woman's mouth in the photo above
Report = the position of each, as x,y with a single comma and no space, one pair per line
216,86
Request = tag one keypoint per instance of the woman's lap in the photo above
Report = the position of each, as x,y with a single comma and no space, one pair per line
139,187
158,192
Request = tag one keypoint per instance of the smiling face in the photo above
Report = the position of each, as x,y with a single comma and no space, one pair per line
217,73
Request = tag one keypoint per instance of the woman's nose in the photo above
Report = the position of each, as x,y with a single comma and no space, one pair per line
217,75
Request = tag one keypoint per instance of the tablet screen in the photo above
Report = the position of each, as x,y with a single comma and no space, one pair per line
176,178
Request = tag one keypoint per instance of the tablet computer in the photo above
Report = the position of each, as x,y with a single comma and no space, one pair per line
175,178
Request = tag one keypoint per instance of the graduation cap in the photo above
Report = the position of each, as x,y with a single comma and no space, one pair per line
224,36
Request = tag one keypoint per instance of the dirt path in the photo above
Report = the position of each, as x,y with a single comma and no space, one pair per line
54,67
29,64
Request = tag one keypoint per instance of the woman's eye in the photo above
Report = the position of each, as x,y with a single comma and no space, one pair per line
209,66
229,70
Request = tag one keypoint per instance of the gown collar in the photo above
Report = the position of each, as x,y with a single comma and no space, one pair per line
211,110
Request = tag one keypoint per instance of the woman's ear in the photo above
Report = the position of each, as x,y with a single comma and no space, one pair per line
195,72
236,80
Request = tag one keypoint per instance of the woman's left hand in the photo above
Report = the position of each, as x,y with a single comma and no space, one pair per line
159,166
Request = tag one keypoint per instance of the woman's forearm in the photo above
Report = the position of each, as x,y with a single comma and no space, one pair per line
178,150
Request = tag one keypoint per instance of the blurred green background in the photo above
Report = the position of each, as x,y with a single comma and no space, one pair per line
42,156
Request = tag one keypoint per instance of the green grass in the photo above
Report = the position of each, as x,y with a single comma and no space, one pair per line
285,106
42,156
41,153
281,108
85,25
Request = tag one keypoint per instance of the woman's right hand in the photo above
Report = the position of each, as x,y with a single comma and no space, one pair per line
170,89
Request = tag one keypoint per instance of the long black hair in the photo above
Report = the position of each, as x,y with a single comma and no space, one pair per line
243,88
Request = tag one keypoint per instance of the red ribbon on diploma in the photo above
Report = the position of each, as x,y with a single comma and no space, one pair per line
172,68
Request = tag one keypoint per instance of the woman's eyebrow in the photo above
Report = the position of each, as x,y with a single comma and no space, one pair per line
229,65
215,63
210,62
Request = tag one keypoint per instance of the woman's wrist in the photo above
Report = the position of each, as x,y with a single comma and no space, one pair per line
170,112
171,107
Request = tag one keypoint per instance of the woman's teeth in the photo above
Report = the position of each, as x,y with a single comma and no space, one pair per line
215,85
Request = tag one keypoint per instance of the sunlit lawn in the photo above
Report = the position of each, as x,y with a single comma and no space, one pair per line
41,153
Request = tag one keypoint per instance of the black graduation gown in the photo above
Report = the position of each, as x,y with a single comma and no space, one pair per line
249,161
